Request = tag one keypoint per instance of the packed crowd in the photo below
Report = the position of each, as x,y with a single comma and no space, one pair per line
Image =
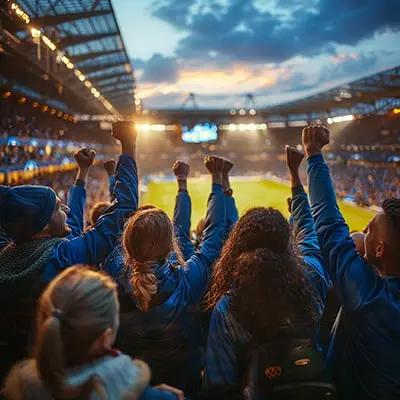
244,311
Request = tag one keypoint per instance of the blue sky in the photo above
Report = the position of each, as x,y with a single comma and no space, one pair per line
275,49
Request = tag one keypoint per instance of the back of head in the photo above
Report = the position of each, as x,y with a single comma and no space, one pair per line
76,308
259,227
147,240
270,293
25,210
98,210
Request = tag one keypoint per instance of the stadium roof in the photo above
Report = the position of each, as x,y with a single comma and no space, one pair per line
366,95
88,33
374,94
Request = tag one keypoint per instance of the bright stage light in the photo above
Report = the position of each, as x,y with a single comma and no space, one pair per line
343,118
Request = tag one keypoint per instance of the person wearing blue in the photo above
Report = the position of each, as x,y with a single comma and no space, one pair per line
183,207
365,348
36,247
77,193
261,284
101,207
160,301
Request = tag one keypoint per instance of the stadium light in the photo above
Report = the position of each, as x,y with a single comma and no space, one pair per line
20,13
300,123
35,33
276,124
343,118
61,57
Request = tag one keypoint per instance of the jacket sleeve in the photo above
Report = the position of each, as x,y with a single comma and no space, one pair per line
232,214
356,281
76,205
95,244
182,216
306,240
111,185
222,353
198,268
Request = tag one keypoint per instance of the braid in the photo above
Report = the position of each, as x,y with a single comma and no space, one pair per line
391,208
144,283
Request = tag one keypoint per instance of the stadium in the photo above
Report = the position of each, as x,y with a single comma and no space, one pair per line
68,82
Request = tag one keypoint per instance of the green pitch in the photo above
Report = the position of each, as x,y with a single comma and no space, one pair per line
248,193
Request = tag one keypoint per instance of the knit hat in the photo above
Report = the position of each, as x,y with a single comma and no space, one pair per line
26,206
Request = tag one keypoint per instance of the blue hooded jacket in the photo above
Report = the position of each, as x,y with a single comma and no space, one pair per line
365,350
169,336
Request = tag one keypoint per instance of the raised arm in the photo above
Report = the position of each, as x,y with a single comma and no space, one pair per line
232,214
302,223
199,266
356,281
95,244
183,210
77,192
109,166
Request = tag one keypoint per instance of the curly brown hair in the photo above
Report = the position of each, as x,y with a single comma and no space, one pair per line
260,268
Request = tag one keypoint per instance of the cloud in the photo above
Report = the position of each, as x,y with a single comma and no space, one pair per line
240,30
349,65
157,69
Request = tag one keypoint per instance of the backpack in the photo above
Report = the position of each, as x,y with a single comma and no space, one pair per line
290,369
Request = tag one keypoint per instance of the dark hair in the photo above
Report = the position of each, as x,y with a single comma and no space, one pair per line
261,271
391,208
98,210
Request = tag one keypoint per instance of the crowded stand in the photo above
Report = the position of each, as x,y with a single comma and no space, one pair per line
105,295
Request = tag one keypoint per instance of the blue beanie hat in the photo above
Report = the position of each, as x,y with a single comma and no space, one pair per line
31,205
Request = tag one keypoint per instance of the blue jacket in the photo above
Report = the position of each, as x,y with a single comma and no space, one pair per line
76,205
365,354
169,335
226,337
94,245
182,219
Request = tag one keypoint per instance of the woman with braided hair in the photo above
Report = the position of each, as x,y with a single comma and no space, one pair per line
160,299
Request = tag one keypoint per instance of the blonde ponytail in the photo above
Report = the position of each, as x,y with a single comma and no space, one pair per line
148,240
49,355
144,283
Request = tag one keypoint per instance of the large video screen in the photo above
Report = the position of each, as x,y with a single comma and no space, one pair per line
200,133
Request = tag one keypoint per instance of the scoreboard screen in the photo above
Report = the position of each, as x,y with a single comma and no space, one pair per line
200,133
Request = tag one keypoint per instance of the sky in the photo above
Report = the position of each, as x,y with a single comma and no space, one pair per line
276,50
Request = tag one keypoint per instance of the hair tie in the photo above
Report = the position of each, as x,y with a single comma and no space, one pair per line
57,313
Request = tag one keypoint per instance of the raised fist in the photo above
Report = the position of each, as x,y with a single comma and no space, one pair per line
214,164
109,166
124,131
181,169
294,158
85,158
314,139
227,166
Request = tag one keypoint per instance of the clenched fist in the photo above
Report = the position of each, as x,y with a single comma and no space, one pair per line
181,170
85,158
314,139
294,158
